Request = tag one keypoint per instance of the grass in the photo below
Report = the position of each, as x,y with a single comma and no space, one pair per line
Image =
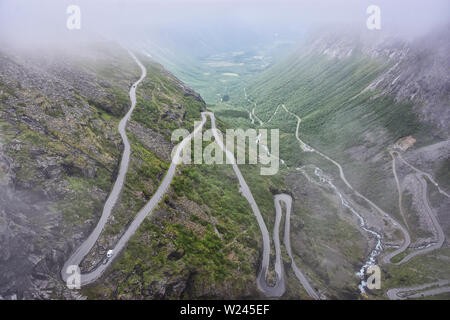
211,258
162,106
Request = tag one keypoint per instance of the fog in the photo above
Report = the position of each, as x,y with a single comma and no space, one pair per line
44,22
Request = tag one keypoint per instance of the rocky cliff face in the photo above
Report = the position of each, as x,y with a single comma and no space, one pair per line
416,69
419,73
59,146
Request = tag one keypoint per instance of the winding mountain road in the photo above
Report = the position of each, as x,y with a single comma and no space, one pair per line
287,242
420,290
429,211
399,189
378,248
280,286
429,176
77,257
86,246
417,291
251,114
406,236
305,147
393,293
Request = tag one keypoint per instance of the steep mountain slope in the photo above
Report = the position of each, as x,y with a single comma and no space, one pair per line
202,241
60,150
359,97
60,154
338,86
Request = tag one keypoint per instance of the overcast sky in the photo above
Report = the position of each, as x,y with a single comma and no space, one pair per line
43,20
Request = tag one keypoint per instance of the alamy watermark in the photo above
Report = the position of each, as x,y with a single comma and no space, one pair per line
74,20
73,281
241,147
374,279
374,20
